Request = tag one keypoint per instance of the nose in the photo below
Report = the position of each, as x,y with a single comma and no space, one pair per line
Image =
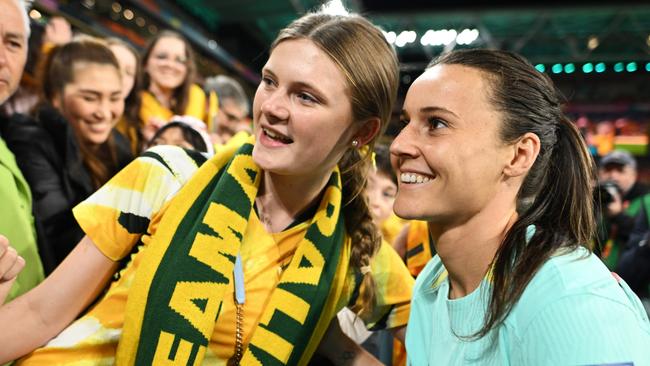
404,145
103,110
275,108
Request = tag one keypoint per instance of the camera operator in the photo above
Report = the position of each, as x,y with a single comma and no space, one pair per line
621,199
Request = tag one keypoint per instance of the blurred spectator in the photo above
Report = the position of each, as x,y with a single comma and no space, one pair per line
187,132
129,125
381,190
77,150
16,222
234,107
55,32
168,82
620,198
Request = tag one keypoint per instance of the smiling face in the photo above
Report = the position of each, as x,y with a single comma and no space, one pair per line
128,67
167,63
449,157
302,112
13,48
92,103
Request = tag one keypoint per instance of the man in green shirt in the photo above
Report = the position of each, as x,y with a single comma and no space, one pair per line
16,220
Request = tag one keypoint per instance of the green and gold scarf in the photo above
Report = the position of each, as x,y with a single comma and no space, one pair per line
177,293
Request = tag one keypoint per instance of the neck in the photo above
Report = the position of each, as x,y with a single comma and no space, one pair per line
468,249
163,95
282,198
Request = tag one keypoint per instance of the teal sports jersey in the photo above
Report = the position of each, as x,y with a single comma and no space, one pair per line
573,312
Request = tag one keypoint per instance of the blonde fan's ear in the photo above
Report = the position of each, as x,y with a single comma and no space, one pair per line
526,150
367,131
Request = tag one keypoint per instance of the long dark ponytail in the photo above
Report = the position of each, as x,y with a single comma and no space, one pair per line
555,196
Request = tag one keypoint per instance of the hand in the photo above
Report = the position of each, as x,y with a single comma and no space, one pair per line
151,127
343,351
616,206
10,265
57,31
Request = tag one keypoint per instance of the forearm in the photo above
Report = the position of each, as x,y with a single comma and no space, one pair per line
34,318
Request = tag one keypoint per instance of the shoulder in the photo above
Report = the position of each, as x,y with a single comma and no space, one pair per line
24,128
196,91
122,148
432,276
177,161
22,134
571,276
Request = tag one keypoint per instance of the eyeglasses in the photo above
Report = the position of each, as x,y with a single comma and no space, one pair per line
163,56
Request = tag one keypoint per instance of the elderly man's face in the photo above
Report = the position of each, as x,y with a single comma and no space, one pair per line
13,47
623,175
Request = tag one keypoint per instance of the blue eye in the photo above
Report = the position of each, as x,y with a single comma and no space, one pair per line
436,123
307,98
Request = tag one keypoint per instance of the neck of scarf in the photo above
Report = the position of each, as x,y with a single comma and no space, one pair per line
177,294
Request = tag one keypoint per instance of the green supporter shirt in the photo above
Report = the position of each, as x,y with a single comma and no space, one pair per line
17,222
573,312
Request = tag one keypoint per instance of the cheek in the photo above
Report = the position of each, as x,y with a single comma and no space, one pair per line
183,71
75,109
118,109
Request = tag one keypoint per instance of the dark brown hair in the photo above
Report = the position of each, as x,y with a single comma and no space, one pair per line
372,87
58,70
558,186
181,95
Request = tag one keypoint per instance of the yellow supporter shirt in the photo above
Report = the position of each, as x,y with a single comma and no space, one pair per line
126,211
391,227
196,106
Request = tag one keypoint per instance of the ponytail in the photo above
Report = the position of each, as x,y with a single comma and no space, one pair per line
563,217
556,190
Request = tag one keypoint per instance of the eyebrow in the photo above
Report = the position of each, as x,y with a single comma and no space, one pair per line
95,92
301,84
14,35
430,109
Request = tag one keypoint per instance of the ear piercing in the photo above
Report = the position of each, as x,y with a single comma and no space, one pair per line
355,143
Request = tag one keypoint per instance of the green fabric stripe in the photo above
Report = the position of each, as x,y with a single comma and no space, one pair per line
158,158
333,245
176,266
415,250
198,158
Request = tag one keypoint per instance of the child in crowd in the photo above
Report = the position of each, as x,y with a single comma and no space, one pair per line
186,132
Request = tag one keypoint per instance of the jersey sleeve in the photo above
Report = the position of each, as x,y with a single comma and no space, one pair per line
121,212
